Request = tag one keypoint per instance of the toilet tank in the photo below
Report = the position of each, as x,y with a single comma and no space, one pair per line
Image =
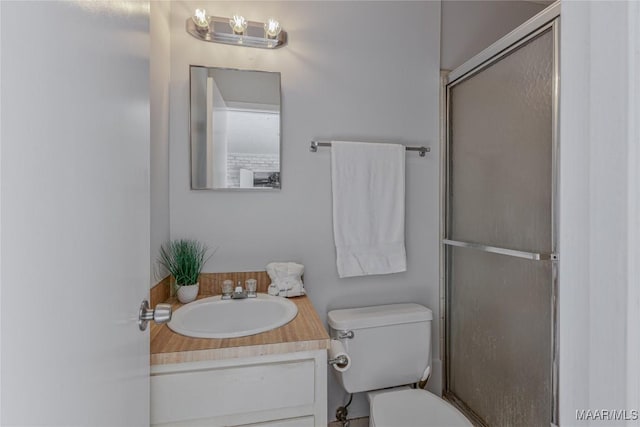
391,344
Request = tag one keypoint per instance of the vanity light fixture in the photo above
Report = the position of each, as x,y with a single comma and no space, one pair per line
272,28
236,31
238,24
201,20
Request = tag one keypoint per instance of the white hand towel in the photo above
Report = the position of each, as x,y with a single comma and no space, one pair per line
286,277
368,207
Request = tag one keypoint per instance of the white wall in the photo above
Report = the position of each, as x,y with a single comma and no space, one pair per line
470,26
342,77
599,303
160,61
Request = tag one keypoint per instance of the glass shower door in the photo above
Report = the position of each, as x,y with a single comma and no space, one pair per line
500,238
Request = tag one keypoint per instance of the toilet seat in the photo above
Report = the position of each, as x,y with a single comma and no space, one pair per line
414,408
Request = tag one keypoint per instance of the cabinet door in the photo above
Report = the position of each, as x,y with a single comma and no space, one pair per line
288,389
224,391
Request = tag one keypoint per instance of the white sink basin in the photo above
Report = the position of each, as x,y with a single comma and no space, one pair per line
217,318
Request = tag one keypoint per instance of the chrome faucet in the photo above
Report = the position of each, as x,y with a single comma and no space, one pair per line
239,293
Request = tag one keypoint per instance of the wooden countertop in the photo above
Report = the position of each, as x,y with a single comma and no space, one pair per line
305,332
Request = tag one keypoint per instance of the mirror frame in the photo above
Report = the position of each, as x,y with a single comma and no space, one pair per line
254,189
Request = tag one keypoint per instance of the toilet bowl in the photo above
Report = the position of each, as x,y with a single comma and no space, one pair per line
412,408
389,346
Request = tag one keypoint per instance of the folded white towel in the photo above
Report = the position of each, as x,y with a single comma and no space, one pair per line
286,279
368,207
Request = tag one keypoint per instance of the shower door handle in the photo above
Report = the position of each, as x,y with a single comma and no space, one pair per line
534,256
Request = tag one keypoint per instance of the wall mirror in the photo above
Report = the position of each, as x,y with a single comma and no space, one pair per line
235,129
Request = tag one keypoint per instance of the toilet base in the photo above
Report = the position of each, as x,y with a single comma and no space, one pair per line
407,407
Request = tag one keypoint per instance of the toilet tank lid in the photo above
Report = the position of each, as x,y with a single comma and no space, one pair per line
379,315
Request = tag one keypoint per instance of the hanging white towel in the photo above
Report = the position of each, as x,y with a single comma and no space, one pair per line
368,207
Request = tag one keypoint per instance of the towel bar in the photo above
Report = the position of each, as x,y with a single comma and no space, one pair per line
315,144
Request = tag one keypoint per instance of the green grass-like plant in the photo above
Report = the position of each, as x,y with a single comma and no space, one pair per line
184,259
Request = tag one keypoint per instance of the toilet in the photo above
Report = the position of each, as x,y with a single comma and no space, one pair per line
389,346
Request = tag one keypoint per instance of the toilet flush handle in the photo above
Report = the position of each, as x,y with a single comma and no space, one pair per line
345,335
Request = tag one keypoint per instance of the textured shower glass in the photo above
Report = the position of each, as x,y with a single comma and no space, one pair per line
499,336
501,151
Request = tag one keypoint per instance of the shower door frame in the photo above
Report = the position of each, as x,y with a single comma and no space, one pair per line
547,20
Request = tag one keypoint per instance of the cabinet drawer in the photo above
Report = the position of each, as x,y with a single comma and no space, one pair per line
205,393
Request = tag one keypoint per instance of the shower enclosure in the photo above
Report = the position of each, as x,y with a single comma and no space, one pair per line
500,233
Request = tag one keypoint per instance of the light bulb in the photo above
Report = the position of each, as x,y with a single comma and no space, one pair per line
200,19
238,24
272,28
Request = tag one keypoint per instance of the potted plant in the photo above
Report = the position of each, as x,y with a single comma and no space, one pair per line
184,259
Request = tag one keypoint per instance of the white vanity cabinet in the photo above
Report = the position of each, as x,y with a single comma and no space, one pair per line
276,390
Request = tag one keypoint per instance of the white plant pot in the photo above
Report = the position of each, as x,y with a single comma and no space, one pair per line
189,293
